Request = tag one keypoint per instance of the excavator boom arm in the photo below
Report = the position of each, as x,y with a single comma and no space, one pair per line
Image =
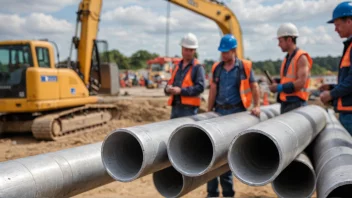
89,16
220,14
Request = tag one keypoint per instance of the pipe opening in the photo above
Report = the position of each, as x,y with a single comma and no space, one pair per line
296,180
168,182
191,150
123,156
254,158
342,191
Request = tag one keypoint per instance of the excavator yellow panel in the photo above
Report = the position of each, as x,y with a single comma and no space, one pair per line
42,84
71,86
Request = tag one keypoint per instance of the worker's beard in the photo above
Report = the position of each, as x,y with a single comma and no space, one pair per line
229,60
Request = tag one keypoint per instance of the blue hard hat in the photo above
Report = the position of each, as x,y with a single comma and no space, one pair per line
227,43
342,10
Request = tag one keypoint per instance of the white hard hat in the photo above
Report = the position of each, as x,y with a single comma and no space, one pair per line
189,41
287,29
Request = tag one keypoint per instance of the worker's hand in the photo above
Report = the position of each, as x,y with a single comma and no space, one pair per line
256,111
175,91
324,87
325,97
167,89
273,87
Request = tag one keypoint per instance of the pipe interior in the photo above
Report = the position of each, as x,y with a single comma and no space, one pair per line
296,180
254,158
343,191
191,150
168,182
123,156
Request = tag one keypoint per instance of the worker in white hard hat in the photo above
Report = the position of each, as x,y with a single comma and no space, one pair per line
295,70
187,81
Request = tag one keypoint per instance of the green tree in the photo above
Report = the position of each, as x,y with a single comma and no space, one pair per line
121,60
208,65
139,59
318,70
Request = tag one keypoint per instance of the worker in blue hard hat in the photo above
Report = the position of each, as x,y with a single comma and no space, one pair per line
341,94
232,90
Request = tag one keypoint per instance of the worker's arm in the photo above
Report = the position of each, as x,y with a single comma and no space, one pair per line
198,86
255,94
302,77
212,96
254,89
343,88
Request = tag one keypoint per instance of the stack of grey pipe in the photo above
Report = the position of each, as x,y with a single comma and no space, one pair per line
185,153
197,151
73,171
332,157
271,152
131,153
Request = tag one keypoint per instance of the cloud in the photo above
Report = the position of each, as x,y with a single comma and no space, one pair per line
144,19
253,11
25,6
34,24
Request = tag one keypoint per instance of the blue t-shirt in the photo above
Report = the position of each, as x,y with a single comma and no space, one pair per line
229,85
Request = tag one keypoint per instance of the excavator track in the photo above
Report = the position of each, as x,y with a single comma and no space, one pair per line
73,121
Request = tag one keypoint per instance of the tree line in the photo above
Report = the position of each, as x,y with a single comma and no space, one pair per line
138,60
321,65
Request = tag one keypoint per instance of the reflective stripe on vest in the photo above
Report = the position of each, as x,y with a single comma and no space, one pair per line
187,82
245,88
346,62
291,76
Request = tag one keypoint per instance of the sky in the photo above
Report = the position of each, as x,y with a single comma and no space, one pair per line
131,25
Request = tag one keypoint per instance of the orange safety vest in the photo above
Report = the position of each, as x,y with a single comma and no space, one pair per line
245,88
346,62
291,76
187,82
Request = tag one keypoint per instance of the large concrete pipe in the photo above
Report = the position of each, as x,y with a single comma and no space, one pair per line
170,183
297,179
58,174
271,110
197,148
332,157
133,152
258,155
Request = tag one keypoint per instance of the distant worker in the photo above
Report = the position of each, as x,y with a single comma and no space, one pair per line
231,91
187,81
295,71
341,94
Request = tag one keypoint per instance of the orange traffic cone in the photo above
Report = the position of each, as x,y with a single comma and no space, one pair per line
265,99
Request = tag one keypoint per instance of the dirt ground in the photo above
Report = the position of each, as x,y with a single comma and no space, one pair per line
144,106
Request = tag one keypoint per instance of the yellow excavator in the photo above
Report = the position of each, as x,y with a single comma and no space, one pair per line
54,101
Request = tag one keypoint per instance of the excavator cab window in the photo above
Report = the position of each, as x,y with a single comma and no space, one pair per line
102,46
14,60
43,57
